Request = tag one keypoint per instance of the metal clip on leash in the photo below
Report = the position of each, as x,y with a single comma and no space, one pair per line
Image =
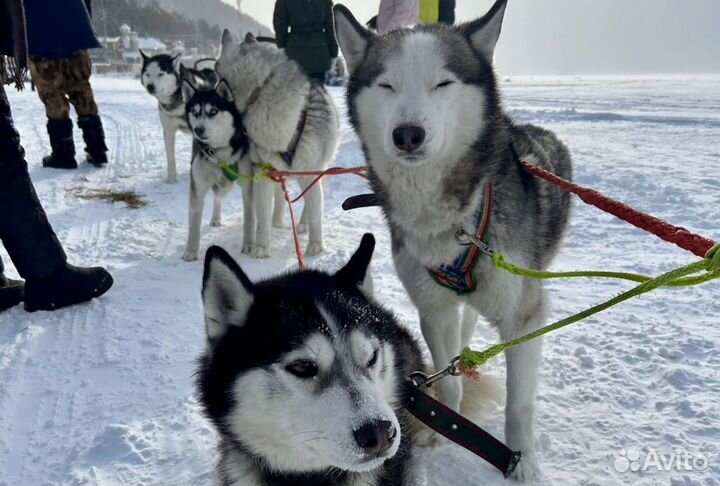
465,239
419,379
454,426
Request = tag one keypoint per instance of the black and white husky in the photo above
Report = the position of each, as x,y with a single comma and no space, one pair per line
441,154
304,377
162,76
218,158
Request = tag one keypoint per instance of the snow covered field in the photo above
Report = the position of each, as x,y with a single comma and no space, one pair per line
103,393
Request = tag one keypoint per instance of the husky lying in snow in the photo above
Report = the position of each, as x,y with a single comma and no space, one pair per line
442,154
292,124
304,377
162,76
218,158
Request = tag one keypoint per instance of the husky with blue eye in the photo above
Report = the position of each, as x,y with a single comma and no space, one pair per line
304,377
219,160
444,160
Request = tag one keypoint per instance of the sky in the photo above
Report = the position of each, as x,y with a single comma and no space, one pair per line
587,36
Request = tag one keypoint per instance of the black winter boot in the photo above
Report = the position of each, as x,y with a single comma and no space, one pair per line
63,147
66,286
11,291
94,137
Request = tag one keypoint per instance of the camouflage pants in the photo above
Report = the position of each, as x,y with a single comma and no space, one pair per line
63,81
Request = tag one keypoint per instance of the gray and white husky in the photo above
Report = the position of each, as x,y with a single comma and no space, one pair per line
218,158
426,105
304,377
292,124
162,76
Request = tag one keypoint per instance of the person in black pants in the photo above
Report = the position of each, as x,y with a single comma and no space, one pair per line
50,281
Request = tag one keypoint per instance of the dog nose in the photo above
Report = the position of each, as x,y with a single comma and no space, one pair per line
151,88
408,137
199,131
375,437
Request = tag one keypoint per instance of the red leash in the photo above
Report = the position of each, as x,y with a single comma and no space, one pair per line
281,178
683,238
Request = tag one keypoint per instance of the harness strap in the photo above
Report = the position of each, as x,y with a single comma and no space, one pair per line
289,154
230,171
461,431
459,276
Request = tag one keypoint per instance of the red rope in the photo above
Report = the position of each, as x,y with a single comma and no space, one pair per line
673,234
281,178
296,236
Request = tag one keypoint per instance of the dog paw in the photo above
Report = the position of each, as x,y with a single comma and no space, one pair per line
190,255
527,469
278,223
247,249
215,223
171,179
314,248
259,251
302,228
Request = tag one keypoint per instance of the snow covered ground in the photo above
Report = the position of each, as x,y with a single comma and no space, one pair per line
103,393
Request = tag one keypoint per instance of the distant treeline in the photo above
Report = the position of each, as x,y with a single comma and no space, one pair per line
151,20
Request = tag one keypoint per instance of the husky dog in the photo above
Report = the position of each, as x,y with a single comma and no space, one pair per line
218,157
304,377
292,125
161,76
426,105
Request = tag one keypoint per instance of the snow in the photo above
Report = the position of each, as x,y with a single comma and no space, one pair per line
102,393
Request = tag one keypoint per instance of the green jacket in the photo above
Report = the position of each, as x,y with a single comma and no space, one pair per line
305,29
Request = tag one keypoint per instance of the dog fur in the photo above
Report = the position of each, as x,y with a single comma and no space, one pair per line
271,92
298,370
426,105
219,136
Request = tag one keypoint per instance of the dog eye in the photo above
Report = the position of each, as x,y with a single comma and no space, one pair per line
373,359
303,368
213,112
386,86
445,83
161,75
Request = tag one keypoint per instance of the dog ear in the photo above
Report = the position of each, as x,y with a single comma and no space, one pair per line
250,38
352,37
223,89
188,90
484,32
227,40
357,270
227,293
145,57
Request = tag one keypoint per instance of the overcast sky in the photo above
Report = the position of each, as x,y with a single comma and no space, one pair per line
587,36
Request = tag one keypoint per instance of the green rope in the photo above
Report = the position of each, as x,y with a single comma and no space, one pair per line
233,174
710,265
500,262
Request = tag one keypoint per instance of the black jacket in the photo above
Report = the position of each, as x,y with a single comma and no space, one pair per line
305,29
59,28
447,11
